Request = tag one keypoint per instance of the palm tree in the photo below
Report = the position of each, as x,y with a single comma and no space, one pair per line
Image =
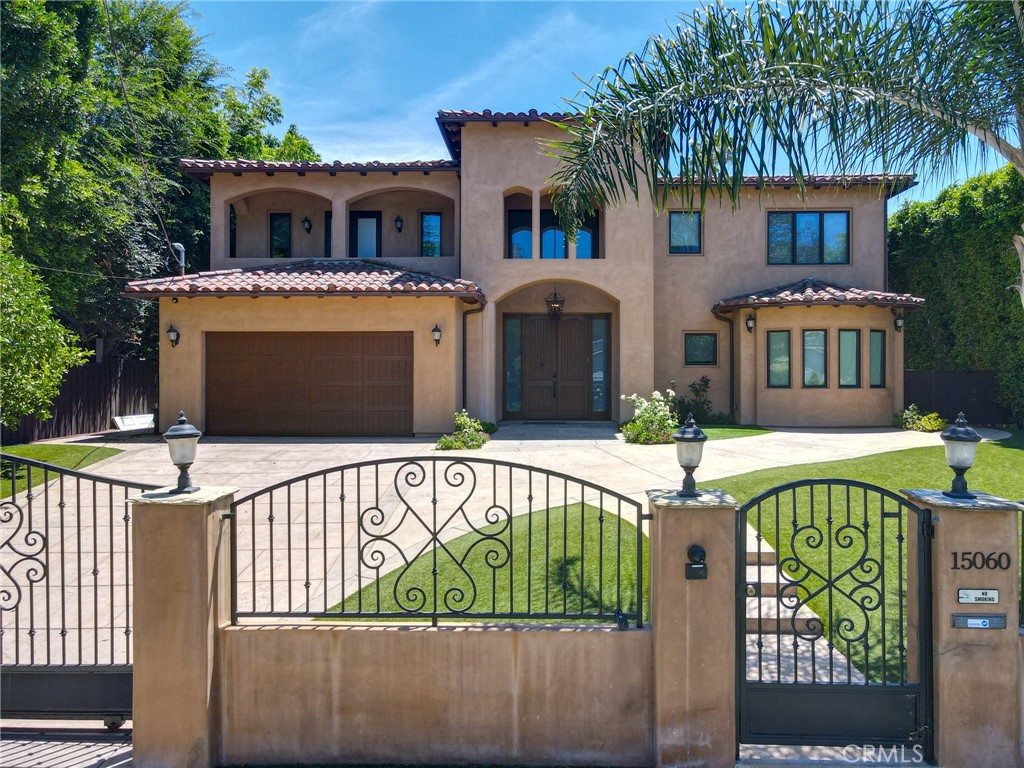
783,88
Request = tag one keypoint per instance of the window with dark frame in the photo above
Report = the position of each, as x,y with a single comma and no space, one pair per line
778,359
684,234
552,238
849,358
364,234
815,359
519,233
588,239
808,237
876,359
430,233
280,235
232,232
328,226
700,348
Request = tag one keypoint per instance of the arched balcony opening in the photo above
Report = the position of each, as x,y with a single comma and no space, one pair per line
401,224
279,224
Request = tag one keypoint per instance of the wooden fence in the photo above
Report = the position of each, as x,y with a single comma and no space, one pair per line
949,392
92,395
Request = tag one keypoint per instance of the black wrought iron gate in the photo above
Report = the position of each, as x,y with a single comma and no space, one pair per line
834,618
65,592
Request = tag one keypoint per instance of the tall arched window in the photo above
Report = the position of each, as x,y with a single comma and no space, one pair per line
518,226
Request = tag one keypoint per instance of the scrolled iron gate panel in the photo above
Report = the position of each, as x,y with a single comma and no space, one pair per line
65,592
834,617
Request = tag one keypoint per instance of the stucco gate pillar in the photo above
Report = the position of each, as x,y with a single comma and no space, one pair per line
694,626
180,563
976,637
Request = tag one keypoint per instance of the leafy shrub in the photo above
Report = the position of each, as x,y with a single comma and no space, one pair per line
699,404
489,427
469,433
653,420
912,418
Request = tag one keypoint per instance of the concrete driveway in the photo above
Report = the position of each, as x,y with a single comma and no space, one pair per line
591,451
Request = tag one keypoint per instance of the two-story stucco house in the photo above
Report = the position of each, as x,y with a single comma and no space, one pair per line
378,298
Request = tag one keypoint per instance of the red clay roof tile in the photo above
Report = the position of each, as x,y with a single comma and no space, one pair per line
308,277
813,292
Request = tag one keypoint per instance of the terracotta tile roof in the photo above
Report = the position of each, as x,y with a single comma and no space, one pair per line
311,277
895,182
813,292
203,168
450,122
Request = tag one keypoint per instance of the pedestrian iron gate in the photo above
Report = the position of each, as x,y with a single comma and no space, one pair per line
65,592
834,618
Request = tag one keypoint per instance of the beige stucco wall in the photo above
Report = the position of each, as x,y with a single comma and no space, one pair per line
435,368
459,695
499,159
830,406
404,193
734,260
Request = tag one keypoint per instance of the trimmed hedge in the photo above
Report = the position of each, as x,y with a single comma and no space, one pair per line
957,252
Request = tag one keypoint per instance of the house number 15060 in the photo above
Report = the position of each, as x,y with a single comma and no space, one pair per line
981,561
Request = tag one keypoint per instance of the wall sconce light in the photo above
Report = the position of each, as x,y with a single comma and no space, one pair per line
307,224
750,322
898,320
961,444
173,335
182,439
690,441
399,223
555,303
436,332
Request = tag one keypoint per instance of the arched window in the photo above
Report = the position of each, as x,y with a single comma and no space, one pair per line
518,226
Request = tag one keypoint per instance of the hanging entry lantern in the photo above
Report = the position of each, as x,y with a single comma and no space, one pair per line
555,303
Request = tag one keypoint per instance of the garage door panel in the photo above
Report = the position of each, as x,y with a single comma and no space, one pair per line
337,345
388,370
221,344
325,384
332,369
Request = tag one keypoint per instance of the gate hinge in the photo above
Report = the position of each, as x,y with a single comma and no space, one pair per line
928,528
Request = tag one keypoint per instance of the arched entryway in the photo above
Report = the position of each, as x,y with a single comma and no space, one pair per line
557,367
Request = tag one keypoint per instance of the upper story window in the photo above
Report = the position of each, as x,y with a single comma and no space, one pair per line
684,232
809,237
430,234
364,234
588,239
280,235
552,238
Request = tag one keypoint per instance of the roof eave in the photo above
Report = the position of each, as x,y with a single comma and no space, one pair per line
471,297
720,309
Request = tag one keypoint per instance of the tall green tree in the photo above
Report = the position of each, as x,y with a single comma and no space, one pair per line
36,351
101,99
836,87
955,251
249,111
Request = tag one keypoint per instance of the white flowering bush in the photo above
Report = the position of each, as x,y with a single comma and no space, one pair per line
653,420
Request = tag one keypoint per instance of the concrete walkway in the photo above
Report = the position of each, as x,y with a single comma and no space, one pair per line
589,450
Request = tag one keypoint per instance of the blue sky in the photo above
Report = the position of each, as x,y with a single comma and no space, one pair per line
364,79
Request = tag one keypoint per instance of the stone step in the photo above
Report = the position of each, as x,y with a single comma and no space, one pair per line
764,557
784,626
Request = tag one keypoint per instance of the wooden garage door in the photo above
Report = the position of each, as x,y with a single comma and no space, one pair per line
315,384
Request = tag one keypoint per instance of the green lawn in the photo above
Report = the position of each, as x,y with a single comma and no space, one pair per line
997,470
67,456
557,561
733,430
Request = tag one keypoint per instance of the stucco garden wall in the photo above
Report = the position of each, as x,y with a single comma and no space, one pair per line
488,695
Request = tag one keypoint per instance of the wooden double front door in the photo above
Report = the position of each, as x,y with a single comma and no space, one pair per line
556,369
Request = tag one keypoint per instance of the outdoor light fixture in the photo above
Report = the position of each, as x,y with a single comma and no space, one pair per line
307,224
689,447
750,322
436,331
173,335
898,320
182,439
555,303
961,444
399,223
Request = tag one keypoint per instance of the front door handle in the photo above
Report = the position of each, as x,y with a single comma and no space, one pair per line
554,385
